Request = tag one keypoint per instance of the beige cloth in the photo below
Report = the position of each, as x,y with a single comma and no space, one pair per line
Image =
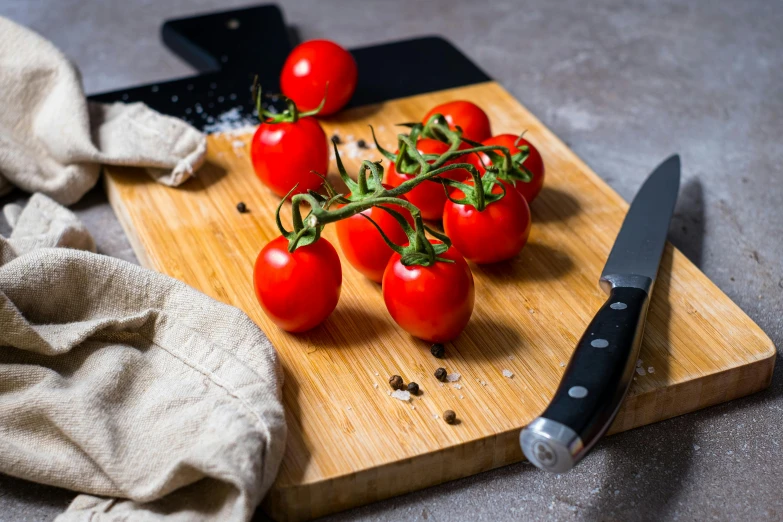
53,141
155,401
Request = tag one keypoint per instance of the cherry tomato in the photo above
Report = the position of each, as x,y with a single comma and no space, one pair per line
286,153
429,197
363,245
310,66
467,115
433,303
298,289
495,234
534,163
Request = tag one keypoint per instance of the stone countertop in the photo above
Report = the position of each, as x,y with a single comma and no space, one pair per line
625,84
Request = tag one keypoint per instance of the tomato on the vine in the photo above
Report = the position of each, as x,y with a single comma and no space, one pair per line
495,234
429,196
298,289
285,154
310,67
433,303
364,246
534,163
467,115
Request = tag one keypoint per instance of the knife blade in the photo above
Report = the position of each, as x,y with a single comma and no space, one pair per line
601,368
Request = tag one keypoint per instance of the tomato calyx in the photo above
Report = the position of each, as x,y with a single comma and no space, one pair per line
290,115
511,168
479,199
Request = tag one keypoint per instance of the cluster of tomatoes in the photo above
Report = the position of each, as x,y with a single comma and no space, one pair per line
426,282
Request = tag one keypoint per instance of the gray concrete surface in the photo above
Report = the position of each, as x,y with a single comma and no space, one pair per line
625,83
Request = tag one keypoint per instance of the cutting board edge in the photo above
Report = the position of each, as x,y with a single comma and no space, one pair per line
710,390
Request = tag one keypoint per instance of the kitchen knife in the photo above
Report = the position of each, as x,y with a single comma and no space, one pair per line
601,369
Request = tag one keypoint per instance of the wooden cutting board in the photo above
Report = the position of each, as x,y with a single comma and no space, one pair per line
349,442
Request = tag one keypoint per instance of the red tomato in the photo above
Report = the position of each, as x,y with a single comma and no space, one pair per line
433,303
495,234
363,245
534,163
286,153
429,197
310,66
298,289
467,115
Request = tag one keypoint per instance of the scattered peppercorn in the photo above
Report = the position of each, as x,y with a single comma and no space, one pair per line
336,139
413,388
395,381
438,350
241,207
450,417
361,144
440,374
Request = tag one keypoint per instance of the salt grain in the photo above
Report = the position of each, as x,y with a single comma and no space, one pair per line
234,120
641,371
650,370
453,377
377,374
403,395
349,407
238,144
435,416
696,447
507,373
375,385
639,362
458,386
510,357
461,396
562,364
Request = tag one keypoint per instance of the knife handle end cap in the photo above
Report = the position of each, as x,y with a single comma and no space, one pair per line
550,445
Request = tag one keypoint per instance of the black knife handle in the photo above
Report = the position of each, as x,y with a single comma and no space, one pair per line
593,386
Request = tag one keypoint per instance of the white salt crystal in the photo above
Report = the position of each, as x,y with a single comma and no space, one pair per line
696,447
639,362
233,120
435,416
510,357
403,395
507,373
458,386
650,370
483,383
375,385
453,377
641,371
381,128
349,407
562,364
442,385
377,374
238,144
413,407
389,393
461,396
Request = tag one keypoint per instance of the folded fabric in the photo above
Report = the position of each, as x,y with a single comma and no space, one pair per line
53,141
155,401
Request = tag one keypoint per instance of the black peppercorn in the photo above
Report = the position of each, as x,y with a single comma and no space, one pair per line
440,374
413,388
449,416
336,139
241,207
361,144
395,381
438,350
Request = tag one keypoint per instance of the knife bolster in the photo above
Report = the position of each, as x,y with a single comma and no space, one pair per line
611,281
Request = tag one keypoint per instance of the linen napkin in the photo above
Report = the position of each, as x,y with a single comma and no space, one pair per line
53,141
155,401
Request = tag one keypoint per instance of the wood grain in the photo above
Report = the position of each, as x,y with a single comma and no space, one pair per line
349,442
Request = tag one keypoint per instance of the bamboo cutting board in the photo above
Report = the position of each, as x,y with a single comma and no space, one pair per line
349,442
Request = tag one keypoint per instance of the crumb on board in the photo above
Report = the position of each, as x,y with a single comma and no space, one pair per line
507,373
453,377
402,395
